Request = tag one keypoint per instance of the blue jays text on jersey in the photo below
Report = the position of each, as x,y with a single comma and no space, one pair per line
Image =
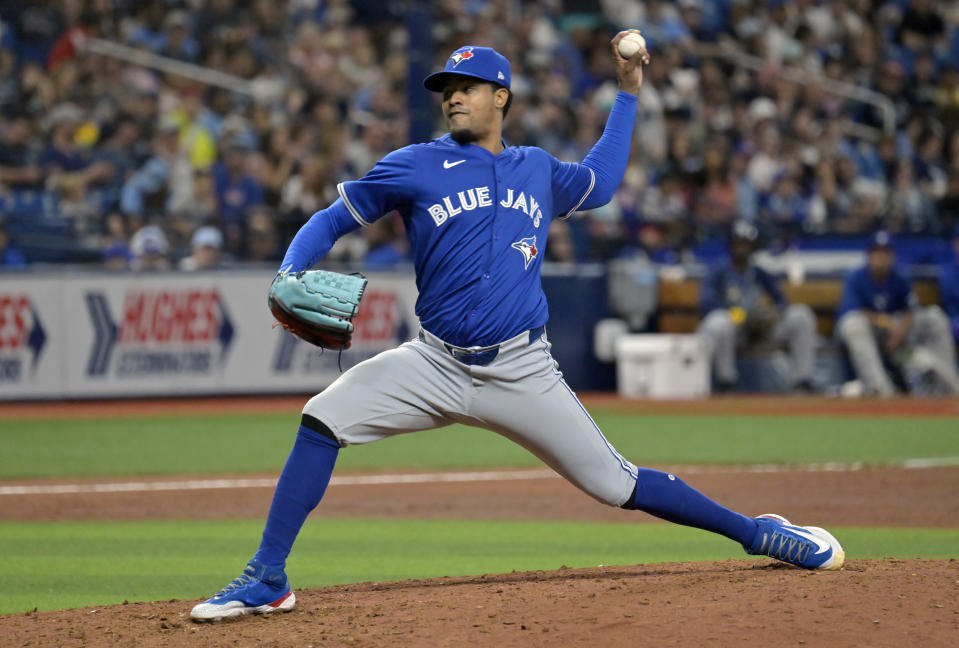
477,224
480,197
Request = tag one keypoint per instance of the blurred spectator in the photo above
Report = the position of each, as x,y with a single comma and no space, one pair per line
86,193
717,197
262,240
114,159
145,193
946,96
197,139
195,207
948,205
175,40
559,243
117,257
884,330
920,24
362,153
655,243
743,306
308,190
665,202
237,191
205,246
949,287
785,209
385,249
910,209
37,25
149,247
18,157
10,257
62,154
148,21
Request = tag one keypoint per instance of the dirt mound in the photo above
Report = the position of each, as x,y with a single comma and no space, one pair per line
870,602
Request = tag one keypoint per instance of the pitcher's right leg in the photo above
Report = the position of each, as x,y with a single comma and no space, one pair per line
396,391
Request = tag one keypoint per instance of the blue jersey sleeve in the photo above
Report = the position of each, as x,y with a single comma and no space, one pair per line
593,183
853,297
388,186
949,290
572,185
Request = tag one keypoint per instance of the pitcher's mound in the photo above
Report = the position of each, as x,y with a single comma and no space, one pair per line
876,603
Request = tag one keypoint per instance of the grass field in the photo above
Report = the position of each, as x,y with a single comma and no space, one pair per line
55,565
58,565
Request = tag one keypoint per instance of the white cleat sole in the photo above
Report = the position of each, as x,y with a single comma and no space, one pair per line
838,553
213,612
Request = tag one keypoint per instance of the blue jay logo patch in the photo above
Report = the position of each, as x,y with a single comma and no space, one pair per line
462,55
528,247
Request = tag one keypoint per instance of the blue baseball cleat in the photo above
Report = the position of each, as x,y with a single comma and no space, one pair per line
807,547
258,590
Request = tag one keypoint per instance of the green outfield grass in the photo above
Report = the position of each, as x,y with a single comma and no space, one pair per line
260,443
51,565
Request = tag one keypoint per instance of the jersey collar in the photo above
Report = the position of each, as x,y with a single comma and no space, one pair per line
449,141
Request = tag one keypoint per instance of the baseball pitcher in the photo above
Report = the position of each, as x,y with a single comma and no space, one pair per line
476,212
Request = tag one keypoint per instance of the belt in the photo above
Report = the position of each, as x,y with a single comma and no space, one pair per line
482,356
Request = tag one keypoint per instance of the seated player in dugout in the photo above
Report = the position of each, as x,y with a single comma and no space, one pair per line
743,308
476,212
894,344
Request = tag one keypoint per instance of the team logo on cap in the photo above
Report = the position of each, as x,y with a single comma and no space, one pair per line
461,55
528,248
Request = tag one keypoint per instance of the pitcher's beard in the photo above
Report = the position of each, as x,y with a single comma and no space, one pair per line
464,136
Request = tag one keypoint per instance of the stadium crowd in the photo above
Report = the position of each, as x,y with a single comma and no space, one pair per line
143,169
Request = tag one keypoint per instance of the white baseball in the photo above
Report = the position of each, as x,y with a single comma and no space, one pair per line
630,44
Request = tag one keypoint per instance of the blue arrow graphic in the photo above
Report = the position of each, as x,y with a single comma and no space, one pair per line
37,339
105,331
226,329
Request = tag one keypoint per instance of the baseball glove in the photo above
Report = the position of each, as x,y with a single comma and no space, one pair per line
317,305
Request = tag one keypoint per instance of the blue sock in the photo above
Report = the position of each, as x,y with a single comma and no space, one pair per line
670,498
301,486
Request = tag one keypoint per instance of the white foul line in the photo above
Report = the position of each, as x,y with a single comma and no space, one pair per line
270,482
441,477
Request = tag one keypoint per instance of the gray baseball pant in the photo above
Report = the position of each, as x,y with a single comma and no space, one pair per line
795,329
520,394
929,340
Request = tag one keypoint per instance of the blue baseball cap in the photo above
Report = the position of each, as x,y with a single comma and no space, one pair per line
479,62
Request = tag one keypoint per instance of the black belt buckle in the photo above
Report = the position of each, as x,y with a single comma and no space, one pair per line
480,357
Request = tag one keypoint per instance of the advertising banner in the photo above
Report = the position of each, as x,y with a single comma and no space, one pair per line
103,335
